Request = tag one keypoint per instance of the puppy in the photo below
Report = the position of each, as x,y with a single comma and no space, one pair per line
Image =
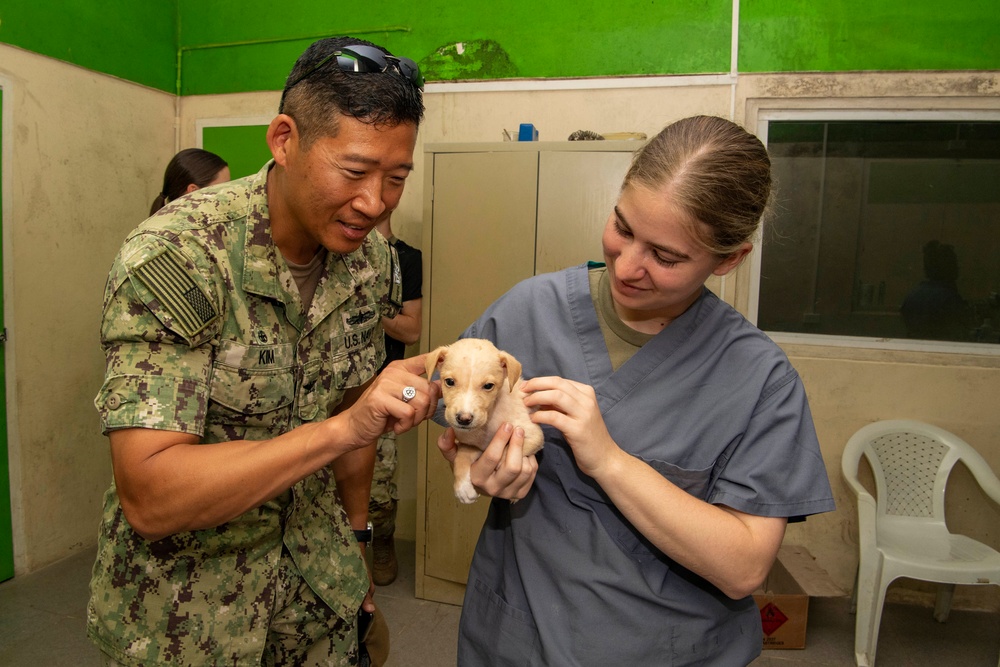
481,387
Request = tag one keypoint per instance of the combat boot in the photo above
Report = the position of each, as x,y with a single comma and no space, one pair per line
384,565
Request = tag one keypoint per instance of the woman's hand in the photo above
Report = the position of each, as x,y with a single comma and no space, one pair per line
503,471
571,408
731,549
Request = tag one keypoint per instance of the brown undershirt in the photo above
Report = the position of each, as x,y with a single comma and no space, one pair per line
621,340
307,277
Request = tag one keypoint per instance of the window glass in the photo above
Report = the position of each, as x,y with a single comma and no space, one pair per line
884,229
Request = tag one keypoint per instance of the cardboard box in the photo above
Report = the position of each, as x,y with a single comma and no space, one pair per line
783,600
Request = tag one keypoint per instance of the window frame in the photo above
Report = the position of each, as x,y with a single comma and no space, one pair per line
767,115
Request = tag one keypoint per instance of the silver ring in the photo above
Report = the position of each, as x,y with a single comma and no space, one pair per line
514,500
409,393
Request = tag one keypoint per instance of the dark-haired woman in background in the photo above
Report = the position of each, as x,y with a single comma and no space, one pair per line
189,170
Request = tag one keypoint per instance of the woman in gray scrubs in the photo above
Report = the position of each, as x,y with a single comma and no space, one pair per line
678,436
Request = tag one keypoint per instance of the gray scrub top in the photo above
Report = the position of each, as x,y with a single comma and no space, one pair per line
711,403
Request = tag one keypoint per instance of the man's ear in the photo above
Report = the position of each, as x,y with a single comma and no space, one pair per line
282,137
733,260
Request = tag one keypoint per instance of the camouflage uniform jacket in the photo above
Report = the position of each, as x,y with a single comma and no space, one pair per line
203,333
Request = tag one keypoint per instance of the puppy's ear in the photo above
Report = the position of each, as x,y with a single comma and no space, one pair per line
434,357
513,367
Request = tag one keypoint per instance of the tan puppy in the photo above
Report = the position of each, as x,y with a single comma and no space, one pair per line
481,387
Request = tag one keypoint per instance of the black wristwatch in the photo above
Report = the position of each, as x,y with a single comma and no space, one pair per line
364,536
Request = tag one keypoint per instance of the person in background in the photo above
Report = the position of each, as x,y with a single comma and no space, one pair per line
934,309
189,170
400,331
242,336
679,440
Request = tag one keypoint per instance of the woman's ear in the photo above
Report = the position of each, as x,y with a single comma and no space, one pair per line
190,188
732,260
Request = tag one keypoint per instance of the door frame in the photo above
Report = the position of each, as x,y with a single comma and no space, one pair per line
10,500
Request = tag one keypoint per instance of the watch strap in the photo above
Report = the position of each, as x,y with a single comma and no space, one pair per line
365,535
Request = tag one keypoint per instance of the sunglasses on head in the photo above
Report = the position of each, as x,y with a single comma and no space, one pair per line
366,60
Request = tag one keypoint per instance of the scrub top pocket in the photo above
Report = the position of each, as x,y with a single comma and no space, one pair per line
511,632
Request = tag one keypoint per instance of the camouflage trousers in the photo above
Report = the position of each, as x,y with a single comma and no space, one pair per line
382,506
304,631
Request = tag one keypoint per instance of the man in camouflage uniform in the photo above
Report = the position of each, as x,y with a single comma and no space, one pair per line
242,335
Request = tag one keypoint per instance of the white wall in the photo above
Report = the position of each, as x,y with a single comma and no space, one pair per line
87,154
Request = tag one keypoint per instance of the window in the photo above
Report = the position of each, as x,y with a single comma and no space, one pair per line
883,229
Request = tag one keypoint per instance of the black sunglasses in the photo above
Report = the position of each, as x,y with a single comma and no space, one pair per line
363,59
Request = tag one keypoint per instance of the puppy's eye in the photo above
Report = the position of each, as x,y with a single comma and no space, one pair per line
449,382
489,386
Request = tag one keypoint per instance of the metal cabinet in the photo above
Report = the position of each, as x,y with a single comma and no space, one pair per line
495,214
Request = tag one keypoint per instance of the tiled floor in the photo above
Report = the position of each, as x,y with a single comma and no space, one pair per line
42,625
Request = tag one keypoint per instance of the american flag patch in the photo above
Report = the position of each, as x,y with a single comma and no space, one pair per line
168,279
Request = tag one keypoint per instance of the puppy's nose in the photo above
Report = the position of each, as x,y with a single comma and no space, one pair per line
464,418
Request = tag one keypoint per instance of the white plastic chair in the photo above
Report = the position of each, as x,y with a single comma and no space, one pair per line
903,534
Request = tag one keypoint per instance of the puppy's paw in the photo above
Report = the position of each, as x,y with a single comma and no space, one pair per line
533,439
466,492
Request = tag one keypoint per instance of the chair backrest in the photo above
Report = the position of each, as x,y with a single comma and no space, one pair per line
910,461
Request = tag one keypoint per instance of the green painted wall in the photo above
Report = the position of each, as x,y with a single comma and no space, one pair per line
234,46
132,39
844,35
243,147
514,38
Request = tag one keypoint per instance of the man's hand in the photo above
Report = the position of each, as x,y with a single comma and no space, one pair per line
382,408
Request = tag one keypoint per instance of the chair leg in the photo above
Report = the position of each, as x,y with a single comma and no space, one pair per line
871,594
862,630
876,620
942,607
